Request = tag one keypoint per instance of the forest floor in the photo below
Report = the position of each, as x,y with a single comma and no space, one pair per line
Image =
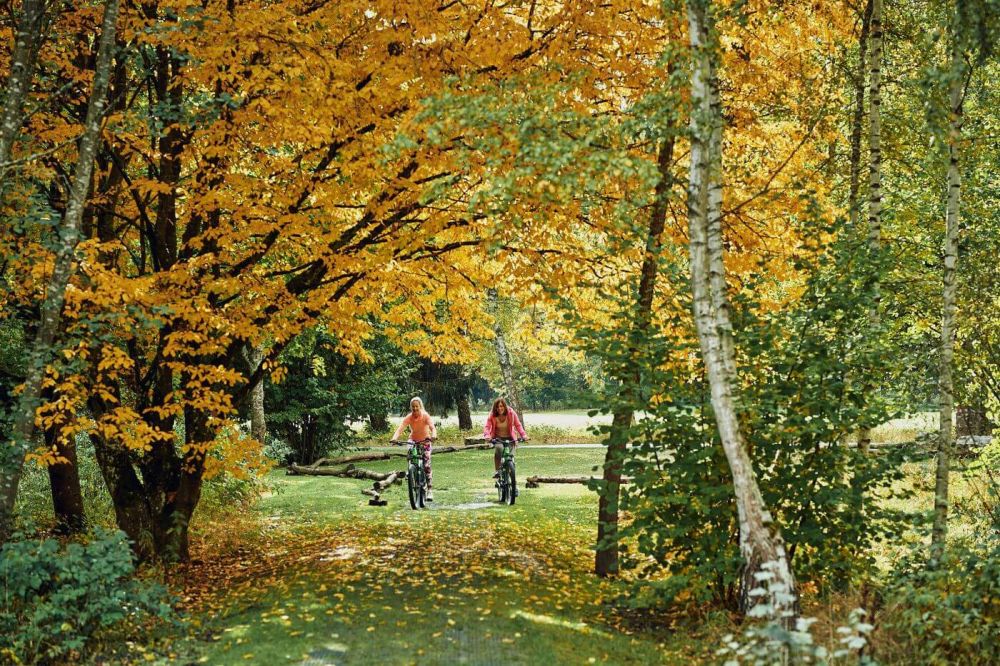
331,580
312,574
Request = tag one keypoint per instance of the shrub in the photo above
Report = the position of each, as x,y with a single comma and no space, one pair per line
56,597
769,640
952,611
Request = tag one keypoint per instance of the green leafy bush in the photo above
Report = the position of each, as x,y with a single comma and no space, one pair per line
55,598
34,497
324,391
952,611
801,402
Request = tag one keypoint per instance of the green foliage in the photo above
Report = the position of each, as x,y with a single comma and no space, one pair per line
951,611
772,643
977,352
12,362
311,409
805,371
56,598
34,498
951,608
816,374
773,638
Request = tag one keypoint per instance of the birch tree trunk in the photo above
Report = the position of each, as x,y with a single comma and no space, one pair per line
503,355
26,44
853,198
606,558
946,434
51,313
760,541
874,181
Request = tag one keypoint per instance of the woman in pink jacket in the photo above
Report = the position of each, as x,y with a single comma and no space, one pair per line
502,423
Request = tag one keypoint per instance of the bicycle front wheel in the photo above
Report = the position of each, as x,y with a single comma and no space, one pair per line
413,488
511,484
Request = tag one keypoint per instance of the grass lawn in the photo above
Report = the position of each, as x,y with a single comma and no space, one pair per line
314,575
335,581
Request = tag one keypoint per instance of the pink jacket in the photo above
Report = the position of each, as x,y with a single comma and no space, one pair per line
515,426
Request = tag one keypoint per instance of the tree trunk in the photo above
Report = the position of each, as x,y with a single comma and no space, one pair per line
378,422
464,412
853,197
258,418
606,557
503,355
132,512
946,435
64,479
174,519
874,183
26,45
760,541
51,313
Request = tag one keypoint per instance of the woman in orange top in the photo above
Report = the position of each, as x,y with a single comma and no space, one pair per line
421,427
502,423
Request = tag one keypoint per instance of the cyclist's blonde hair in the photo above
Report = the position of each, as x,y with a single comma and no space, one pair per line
418,401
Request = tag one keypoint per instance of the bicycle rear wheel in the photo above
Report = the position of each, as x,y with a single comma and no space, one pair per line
413,488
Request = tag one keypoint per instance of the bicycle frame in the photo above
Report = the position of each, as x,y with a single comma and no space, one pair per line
416,477
506,483
415,452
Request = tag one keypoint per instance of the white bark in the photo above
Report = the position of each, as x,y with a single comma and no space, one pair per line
946,433
853,198
760,542
69,232
503,355
22,70
874,176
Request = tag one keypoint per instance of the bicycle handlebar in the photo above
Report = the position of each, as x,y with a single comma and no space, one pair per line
396,442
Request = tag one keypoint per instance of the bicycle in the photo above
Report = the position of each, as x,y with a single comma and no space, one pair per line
416,477
506,483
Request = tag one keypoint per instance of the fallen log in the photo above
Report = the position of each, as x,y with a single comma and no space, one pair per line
361,457
382,484
534,481
452,449
386,455
349,472
375,492
382,480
